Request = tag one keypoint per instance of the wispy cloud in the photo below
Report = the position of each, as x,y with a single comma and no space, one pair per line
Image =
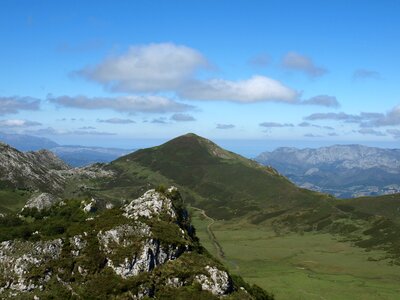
182,118
14,104
86,46
366,74
147,68
160,120
128,104
334,116
391,118
322,100
394,132
15,123
298,62
254,89
274,124
50,131
225,126
307,124
370,131
365,119
312,135
116,121
261,60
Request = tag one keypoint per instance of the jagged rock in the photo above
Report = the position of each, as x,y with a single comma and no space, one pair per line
42,201
218,282
121,235
151,254
78,244
90,206
175,282
15,267
131,242
32,170
151,204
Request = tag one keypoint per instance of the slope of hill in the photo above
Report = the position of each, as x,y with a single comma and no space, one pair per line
341,170
225,184
144,249
31,170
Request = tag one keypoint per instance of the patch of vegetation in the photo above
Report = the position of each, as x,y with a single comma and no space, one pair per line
12,200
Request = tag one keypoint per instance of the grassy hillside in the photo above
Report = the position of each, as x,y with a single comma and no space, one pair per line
225,184
309,265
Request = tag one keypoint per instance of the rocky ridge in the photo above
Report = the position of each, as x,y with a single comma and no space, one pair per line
147,245
31,170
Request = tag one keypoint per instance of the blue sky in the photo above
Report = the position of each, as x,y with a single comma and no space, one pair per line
113,73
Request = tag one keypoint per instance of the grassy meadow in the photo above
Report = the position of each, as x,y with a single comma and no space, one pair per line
307,266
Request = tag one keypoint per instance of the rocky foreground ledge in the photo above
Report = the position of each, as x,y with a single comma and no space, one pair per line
144,249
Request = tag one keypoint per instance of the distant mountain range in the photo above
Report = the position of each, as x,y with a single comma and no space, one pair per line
341,170
98,201
73,155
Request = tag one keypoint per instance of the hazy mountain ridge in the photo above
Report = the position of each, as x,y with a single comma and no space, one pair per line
24,142
342,170
78,156
73,155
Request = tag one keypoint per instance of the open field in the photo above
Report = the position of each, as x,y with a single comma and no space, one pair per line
12,200
308,266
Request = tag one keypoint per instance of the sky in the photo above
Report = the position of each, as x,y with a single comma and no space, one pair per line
257,73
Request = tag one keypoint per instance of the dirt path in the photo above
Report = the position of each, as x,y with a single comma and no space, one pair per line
220,252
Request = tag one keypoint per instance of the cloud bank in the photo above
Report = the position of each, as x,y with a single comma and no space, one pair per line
129,104
12,105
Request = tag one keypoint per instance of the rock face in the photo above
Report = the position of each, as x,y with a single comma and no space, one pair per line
342,170
150,205
14,268
216,281
31,170
42,201
147,246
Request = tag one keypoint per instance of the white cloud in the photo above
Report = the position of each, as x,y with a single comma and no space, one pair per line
147,68
298,62
129,104
254,89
